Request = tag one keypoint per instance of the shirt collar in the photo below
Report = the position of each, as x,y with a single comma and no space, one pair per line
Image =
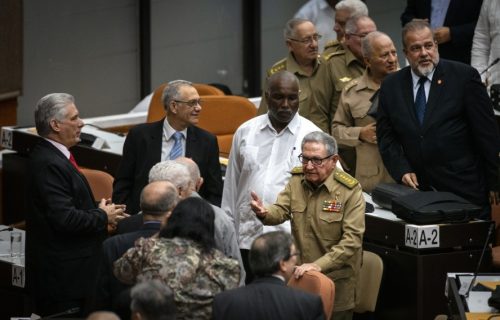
294,67
168,131
61,147
328,183
293,125
365,81
416,77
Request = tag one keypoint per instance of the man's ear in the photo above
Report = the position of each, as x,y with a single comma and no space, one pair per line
199,184
283,266
54,124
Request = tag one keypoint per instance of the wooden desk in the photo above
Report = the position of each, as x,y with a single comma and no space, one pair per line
414,278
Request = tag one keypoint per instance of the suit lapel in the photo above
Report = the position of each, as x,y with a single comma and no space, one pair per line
407,85
155,139
434,95
190,142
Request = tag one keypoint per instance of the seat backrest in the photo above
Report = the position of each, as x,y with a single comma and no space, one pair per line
368,284
101,183
222,115
317,283
207,90
156,109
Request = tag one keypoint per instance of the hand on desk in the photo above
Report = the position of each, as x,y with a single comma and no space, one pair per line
410,180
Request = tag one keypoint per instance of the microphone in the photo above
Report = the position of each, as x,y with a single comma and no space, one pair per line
491,65
66,312
6,229
490,231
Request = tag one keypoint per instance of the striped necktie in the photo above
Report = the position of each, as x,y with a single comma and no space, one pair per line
176,151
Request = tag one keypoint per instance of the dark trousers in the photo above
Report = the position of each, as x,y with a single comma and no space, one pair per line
244,257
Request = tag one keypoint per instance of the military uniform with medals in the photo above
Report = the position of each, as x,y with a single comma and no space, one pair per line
328,223
316,91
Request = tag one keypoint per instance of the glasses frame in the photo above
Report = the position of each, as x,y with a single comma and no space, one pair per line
314,161
191,103
315,37
359,35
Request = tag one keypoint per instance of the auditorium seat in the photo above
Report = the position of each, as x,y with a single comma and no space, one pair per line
317,283
369,279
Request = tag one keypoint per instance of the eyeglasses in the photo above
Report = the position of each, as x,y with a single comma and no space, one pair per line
314,161
308,40
191,103
360,35
417,48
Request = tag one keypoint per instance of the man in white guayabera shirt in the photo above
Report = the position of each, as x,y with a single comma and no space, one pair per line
265,149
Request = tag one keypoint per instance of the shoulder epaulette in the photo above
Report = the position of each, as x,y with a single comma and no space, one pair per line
351,84
333,54
346,179
297,170
278,66
332,43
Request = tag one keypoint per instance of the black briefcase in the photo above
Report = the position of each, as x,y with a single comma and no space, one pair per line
430,207
383,193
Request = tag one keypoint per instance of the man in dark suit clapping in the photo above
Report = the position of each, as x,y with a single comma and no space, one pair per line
435,124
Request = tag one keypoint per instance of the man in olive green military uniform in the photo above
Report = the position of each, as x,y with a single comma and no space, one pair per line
344,66
315,84
327,212
352,125
344,10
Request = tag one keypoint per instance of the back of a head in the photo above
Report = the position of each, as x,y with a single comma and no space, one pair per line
267,251
194,170
153,300
354,7
192,218
51,106
158,197
172,171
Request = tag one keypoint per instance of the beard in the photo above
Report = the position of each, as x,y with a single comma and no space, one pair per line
426,70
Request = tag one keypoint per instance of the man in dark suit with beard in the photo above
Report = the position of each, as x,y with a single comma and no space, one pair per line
272,259
65,227
174,136
435,124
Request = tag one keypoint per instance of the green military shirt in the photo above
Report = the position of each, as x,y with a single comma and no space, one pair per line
350,117
328,223
331,47
315,91
342,66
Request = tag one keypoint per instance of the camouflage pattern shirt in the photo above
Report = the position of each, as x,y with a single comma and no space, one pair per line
194,277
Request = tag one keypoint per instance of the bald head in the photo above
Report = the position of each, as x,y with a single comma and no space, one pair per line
158,198
282,97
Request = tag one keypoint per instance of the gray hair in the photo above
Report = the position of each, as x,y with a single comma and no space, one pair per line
413,26
355,7
367,42
158,197
267,251
289,31
320,137
194,170
351,25
153,300
172,171
52,106
171,91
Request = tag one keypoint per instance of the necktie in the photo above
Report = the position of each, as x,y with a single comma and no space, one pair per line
73,161
176,151
420,100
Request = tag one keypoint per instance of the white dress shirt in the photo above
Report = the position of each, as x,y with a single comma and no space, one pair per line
260,161
167,140
486,42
